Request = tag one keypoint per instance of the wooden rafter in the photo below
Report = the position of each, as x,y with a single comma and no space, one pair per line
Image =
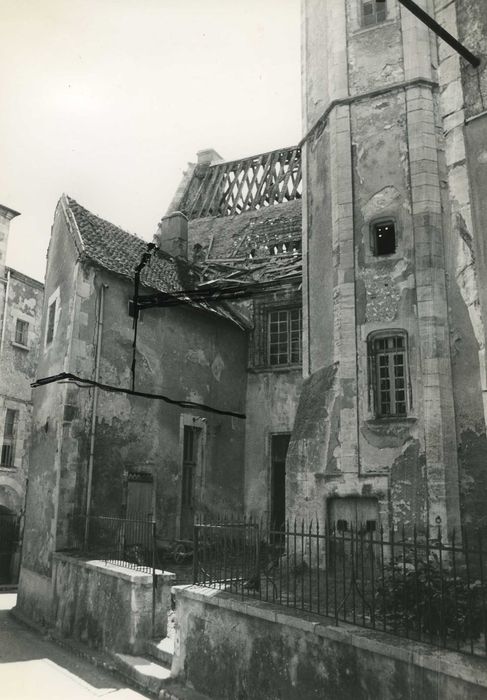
230,188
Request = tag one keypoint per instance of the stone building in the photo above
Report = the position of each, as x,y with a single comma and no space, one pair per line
20,314
391,423
95,452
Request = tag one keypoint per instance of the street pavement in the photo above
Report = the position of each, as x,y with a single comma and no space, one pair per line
33,667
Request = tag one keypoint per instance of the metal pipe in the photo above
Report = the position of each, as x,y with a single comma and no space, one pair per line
5,304
93,412
440,31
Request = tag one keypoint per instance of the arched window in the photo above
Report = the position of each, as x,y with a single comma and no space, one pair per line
388,366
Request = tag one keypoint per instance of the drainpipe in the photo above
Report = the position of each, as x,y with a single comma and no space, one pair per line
93,411
5,304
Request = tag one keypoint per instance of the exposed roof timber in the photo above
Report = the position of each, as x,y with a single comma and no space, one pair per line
231,187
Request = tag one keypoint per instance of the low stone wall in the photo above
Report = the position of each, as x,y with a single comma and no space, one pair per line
229,648
34,596
107,606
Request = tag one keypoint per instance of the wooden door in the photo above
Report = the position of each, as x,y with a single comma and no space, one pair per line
279,447
191,437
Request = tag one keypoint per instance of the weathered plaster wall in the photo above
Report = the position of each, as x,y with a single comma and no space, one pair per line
184,354
230,649
462,93
386,297
272,399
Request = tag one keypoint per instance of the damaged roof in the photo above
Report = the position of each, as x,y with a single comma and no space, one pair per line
245,215
118,251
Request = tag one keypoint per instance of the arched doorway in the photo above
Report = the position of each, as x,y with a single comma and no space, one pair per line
9,537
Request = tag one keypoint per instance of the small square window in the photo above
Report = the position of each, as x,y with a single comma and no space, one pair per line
384,238
21,332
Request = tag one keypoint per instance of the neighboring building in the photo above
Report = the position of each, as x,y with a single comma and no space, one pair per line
392,417
20,316
112,454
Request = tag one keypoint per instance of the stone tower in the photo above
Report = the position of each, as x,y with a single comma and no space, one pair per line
393,336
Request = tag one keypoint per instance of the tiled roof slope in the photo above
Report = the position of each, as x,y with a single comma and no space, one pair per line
236,236
118,251
115,250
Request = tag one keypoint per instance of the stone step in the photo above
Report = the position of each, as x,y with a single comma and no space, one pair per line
176,691
144,672
162,650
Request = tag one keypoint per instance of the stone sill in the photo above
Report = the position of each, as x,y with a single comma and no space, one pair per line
365,30
21,347
470,669
115,570
278,369
8,470
392,421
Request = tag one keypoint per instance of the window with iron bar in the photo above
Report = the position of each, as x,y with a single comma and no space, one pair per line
21,332
373,12
8,445
284,336
388,360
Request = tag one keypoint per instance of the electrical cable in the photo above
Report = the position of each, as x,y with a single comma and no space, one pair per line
87,383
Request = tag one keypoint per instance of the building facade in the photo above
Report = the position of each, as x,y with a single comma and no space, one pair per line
20,315
99,453
391,422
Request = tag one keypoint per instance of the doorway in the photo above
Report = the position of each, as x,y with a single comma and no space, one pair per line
279,447
9,535
140,494
191,442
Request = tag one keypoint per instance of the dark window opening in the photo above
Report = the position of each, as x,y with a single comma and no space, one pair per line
342,525
21,332
284,337
373,12
370,526
384,238
388,358
51,318
190,442
8,445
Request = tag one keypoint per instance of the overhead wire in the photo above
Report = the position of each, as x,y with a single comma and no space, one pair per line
64,377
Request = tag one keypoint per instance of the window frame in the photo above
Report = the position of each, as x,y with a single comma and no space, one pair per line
289,340
374,225
21,338
373,357
9,439
374,14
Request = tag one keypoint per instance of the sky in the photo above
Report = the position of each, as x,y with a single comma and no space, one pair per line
108,100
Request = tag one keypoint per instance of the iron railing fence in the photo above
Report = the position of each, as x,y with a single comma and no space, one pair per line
127,542
418,585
